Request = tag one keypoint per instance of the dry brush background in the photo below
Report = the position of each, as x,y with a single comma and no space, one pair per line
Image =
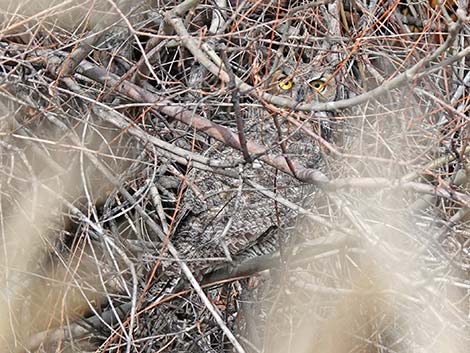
158,195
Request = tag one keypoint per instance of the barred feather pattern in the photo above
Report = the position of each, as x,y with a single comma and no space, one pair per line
227,219
230,221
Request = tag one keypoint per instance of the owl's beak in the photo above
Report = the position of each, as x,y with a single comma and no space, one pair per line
300,95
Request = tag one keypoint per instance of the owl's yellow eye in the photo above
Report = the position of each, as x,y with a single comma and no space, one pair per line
286,85
318,85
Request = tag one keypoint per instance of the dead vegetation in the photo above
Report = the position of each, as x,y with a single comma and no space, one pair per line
160,193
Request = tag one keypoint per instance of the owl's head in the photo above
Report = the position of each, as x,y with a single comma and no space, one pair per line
306,83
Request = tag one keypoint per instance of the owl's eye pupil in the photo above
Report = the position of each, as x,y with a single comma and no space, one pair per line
285,85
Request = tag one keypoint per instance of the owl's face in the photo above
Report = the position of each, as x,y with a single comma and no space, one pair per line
304,83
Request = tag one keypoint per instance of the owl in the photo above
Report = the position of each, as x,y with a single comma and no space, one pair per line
305,83
254,219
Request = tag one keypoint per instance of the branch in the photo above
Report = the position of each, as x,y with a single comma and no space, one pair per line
301,254
214,64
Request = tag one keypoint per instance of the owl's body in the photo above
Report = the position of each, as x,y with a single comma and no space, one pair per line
237,220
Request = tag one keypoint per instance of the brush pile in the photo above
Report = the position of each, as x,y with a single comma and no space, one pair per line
159,192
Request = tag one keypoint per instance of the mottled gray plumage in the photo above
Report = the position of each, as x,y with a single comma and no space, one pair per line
226,219
306,83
